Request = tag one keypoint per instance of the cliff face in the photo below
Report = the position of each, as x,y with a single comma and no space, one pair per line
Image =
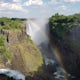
74,38
4,77
67,42
24,55
72,51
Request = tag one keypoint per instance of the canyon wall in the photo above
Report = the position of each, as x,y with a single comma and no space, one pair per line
23,55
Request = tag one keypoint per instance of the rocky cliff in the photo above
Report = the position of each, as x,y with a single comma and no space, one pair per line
20,52
64,34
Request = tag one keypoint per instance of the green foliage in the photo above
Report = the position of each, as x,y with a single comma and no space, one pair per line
7,23
8,54
2,44
4,52
61,25
31,56
2,40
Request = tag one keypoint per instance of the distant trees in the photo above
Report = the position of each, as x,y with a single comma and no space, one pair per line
61,25
7,23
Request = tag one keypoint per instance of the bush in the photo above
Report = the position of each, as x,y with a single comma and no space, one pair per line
61,25
7,23
4,52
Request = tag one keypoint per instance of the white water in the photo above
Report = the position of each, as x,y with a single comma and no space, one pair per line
36,32
12,73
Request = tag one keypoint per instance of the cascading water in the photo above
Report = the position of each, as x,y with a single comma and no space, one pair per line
35,32
39,34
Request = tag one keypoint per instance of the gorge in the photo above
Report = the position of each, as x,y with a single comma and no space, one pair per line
39,33
41,49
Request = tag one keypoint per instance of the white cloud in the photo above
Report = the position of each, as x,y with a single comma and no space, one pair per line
10,6
62,7
16,0
17,7
33,2
72,0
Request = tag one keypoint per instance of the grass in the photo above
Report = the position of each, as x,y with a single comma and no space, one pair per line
31,55
7,23
5,54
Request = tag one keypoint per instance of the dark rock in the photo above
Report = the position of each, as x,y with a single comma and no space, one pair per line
4,77
69,48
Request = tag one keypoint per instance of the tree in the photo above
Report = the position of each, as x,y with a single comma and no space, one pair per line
61,25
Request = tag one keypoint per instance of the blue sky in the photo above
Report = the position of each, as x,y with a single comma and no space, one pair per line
38,8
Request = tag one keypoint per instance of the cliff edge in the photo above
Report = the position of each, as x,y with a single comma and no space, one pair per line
17,51
64,34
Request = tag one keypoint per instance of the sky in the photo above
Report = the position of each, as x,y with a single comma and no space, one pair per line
38,8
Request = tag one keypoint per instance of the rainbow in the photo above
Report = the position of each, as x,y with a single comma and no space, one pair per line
54,48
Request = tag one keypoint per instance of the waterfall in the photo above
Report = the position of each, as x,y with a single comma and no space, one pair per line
35,32
38,35
38,31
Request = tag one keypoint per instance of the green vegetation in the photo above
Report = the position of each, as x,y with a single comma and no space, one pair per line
30,55
2,44
4,52
61,25
7,23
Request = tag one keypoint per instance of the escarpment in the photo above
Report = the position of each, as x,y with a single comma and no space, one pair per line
64,33
18,51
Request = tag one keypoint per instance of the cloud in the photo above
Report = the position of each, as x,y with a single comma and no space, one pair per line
62,1
13,6
6,1
33,2
71,0
10,6
11,1
17,1
63,7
